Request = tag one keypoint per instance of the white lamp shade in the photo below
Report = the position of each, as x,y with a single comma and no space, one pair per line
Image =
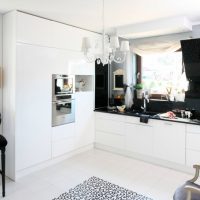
125,46
114,42
86,44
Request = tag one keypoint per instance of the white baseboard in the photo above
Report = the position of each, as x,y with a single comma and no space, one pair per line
51,162
149,159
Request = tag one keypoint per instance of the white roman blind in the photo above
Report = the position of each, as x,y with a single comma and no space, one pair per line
158,44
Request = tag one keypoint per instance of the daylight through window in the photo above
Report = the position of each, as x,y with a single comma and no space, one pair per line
162,73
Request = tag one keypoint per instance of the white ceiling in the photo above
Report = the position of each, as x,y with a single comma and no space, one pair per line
88,13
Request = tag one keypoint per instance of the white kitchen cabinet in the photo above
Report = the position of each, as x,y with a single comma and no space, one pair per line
31,56
79,66
110,126
110,123
110,139
109,130
158,141
84,118
192,145
63,132
192,157
139,138
39,31
62,147
63,139
169,141
35,66
107,116
33,107
193,141
193,128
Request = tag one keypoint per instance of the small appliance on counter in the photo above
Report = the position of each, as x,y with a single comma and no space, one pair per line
63,101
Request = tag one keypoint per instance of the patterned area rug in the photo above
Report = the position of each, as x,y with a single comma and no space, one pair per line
97,189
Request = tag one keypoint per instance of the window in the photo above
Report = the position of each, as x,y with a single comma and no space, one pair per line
162,73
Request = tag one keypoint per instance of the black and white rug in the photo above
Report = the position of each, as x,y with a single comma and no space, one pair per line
97,189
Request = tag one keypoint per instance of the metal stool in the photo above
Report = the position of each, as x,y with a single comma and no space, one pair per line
190,190
3,143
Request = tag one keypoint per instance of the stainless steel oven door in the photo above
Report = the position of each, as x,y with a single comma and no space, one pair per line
63,112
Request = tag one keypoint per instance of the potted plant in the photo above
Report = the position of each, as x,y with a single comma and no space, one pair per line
139,90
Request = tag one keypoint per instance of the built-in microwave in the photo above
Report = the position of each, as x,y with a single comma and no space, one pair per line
62,85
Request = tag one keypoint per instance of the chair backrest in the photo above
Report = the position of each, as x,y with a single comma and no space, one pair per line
3,141
190,190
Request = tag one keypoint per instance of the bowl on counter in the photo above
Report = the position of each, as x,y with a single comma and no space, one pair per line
121,108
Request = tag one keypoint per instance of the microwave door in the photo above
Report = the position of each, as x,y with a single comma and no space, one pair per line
63,86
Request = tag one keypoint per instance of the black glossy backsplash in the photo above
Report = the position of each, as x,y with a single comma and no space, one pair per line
101,85
164,106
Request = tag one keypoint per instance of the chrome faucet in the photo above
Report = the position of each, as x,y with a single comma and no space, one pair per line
145,101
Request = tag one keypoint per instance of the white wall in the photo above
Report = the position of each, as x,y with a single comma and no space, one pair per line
1,62
196,31
1,34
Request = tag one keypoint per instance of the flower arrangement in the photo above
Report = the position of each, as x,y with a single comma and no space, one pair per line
139,86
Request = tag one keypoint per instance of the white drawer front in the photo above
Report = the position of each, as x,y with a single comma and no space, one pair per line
193,141
136,120
192,158
110,126
62,147
108,116
193,128
63,132
109,139
132,119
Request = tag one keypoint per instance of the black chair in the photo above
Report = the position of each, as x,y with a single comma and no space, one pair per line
3,143
190,190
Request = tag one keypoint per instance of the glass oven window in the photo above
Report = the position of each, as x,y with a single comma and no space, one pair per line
63,108
63,85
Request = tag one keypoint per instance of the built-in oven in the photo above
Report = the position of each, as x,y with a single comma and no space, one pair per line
63,110
62,85
63,102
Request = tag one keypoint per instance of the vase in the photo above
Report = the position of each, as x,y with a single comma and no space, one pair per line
139,93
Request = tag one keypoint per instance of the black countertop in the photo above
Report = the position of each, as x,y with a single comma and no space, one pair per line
156,117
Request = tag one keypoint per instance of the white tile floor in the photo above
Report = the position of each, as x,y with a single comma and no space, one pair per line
150,180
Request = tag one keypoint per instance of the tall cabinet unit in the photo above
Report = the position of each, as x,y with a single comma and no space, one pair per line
34,49
84,128
32,107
